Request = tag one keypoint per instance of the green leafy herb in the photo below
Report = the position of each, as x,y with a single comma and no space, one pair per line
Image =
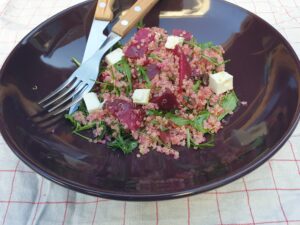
126,145
123,67
186,98
104,130
206,45
154,122
82,136
85,127
153,112
82,108
198,122
106,86
76,125
117,45
229,103
214,60
196,86
140,24
116,90
210,143
156,57
143,73
225,61
188,138
76,62
162,128
179,121
102,67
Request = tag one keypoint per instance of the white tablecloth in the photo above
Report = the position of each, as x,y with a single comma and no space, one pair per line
269,195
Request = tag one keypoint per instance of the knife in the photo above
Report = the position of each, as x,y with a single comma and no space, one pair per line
89,70
103,16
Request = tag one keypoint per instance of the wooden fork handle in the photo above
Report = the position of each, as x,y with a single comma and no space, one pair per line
133,16
104,10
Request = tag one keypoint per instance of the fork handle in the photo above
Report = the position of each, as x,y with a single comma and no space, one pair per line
104,10
133,16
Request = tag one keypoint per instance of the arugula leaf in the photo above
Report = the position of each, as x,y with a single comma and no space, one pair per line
85,127
188,138
206,45
214,61
153,112
198,122
154,56
76,124
102,67
77,127
82,108
196,86
106,86
82,136
179,121
229,104
123,67
211,59
76,62
210,143
116,90
126,145
117,45
143,72
140,24
193,42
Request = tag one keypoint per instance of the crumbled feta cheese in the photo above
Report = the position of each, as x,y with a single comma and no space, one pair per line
141,96
172,41
114,57
220,82
92,102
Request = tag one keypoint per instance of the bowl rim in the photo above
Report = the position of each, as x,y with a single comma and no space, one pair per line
246,169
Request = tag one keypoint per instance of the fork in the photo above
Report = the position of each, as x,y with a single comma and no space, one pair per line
75,86
83,79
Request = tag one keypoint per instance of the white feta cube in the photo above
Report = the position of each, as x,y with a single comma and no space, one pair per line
92,102
172,41
114,57
220,82
141,96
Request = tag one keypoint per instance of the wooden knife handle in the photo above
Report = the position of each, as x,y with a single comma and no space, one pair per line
133,16
104,10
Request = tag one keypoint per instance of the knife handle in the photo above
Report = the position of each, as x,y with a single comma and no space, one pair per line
104,10
133,16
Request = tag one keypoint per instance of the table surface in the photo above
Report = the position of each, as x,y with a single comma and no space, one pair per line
269,195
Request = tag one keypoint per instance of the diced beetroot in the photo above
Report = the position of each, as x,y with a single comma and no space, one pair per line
164,137
182,33
152,70
184,66
167,101
144,34
126,112
135,51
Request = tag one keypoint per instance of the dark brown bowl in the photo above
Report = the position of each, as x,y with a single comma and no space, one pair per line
267,77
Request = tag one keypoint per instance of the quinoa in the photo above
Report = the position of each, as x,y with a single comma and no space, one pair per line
183,110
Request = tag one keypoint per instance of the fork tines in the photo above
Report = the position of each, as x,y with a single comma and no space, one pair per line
66,95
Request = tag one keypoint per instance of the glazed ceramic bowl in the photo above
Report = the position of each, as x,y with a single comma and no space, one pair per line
266,75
